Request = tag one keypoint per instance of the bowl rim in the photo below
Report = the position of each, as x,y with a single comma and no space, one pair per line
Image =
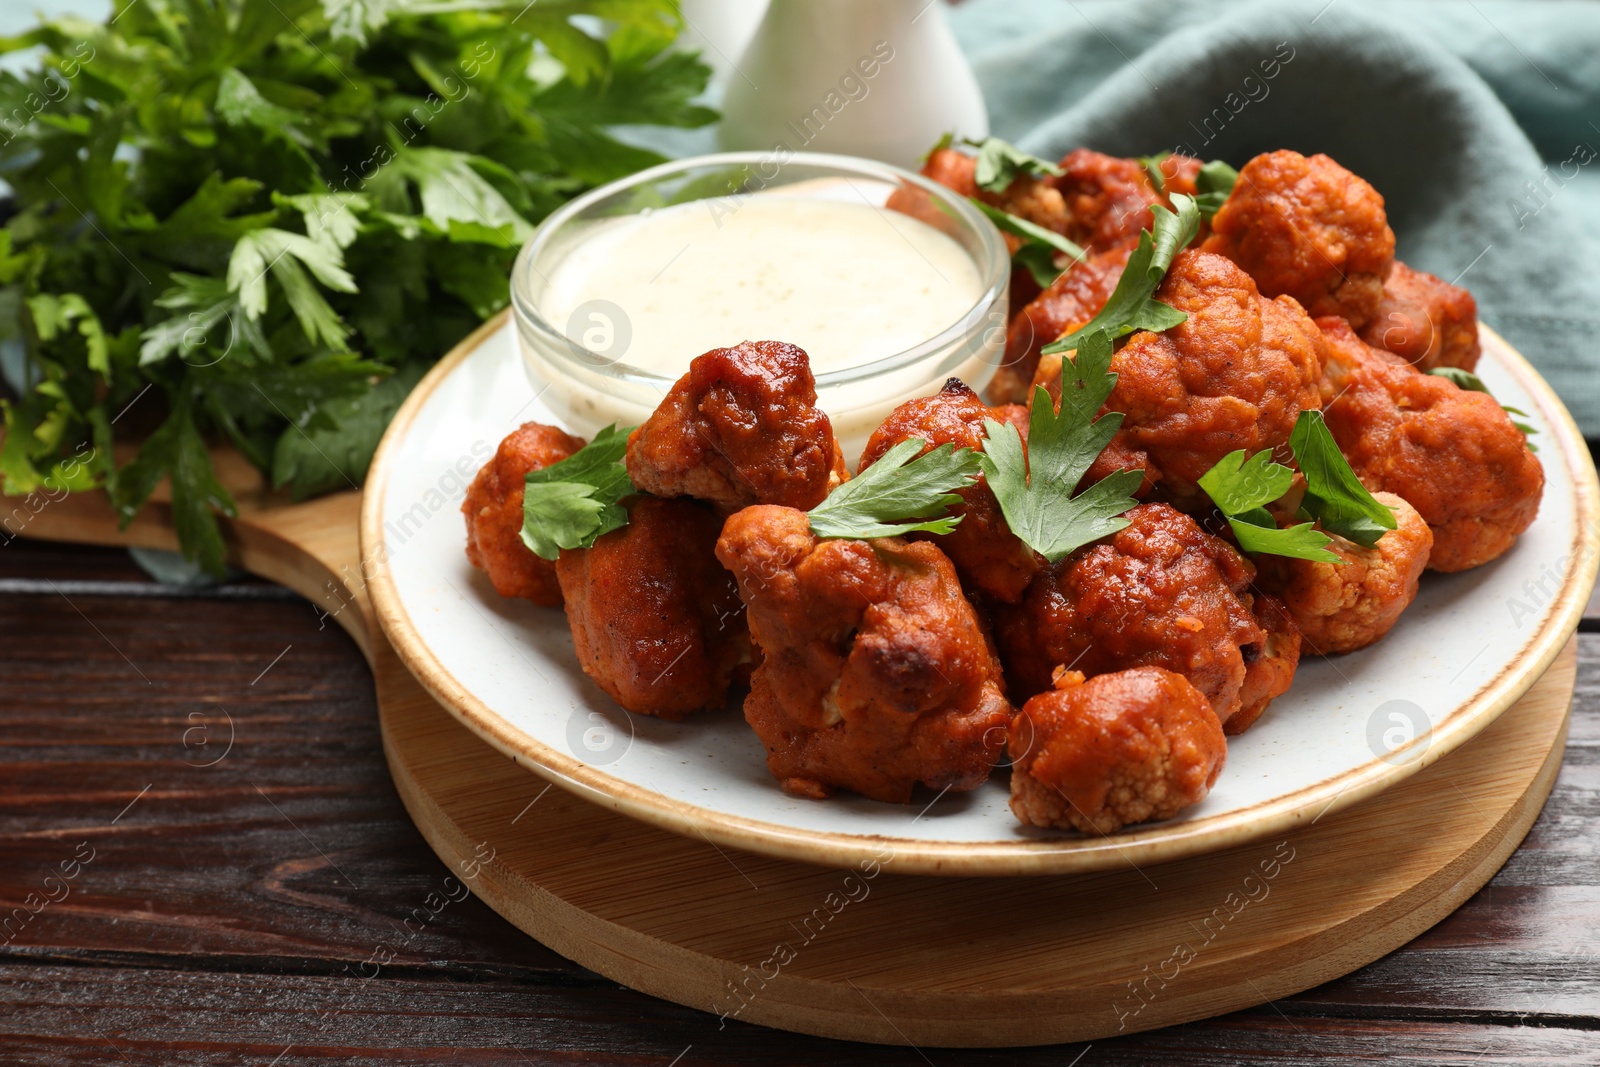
1157,843
992,260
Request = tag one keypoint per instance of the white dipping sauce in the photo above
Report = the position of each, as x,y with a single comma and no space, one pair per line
848,282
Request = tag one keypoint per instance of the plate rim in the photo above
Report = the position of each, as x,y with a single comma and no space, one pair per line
1043,856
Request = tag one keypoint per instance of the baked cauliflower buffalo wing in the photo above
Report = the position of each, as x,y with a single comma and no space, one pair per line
1108,198
1236,374
1340,607
1027,197
986,554
656,621
1306,227
1453,454
741,427
493,508
875,672
1075,297
1119,748
1425,321
1161,593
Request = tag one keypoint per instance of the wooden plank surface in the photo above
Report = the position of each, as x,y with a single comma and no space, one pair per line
277,903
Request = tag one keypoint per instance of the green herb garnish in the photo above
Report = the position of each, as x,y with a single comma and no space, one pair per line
1334,496
1035,485
899,494
945,141
1152,167
1461,378
571,503
1213,185
1000,162
1465,379
1039,245
1241,488
1133,305
244,216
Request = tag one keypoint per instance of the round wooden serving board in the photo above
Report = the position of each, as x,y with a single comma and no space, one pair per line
869,955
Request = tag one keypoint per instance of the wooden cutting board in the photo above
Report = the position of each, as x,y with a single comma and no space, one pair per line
870,955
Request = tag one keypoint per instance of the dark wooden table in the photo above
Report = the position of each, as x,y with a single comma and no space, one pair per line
194,790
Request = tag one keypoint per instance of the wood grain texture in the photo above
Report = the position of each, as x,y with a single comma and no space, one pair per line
180,922
868,954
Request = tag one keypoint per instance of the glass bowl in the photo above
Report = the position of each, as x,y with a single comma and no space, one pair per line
580,367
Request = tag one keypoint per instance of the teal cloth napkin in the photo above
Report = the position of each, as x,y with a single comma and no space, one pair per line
1478,121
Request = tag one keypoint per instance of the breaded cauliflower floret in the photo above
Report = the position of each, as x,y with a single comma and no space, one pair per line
1179,175
1129,747
1343,607
1308,228
1451,453
493,508
656,622
1161,593
1425,321
954,169
1108,198
987,555
1269,669
1028,197
1235,374
741,427
876,673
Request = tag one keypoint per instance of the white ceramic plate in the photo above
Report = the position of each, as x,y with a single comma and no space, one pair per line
1351,725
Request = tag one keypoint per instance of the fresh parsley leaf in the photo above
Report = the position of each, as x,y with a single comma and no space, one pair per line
456,193
177,452
240,103
1334,496
1133,305
1465,379
571,503
1301,541
1237,485
1035,484
1152,167
899,494
325,458
1000,162
1241,488
1039,245
1212,187
53,314
287,256
1461,378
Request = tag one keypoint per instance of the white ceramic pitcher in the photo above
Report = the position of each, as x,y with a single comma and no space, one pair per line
876,78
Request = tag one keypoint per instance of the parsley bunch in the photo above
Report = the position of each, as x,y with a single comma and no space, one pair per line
258,221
